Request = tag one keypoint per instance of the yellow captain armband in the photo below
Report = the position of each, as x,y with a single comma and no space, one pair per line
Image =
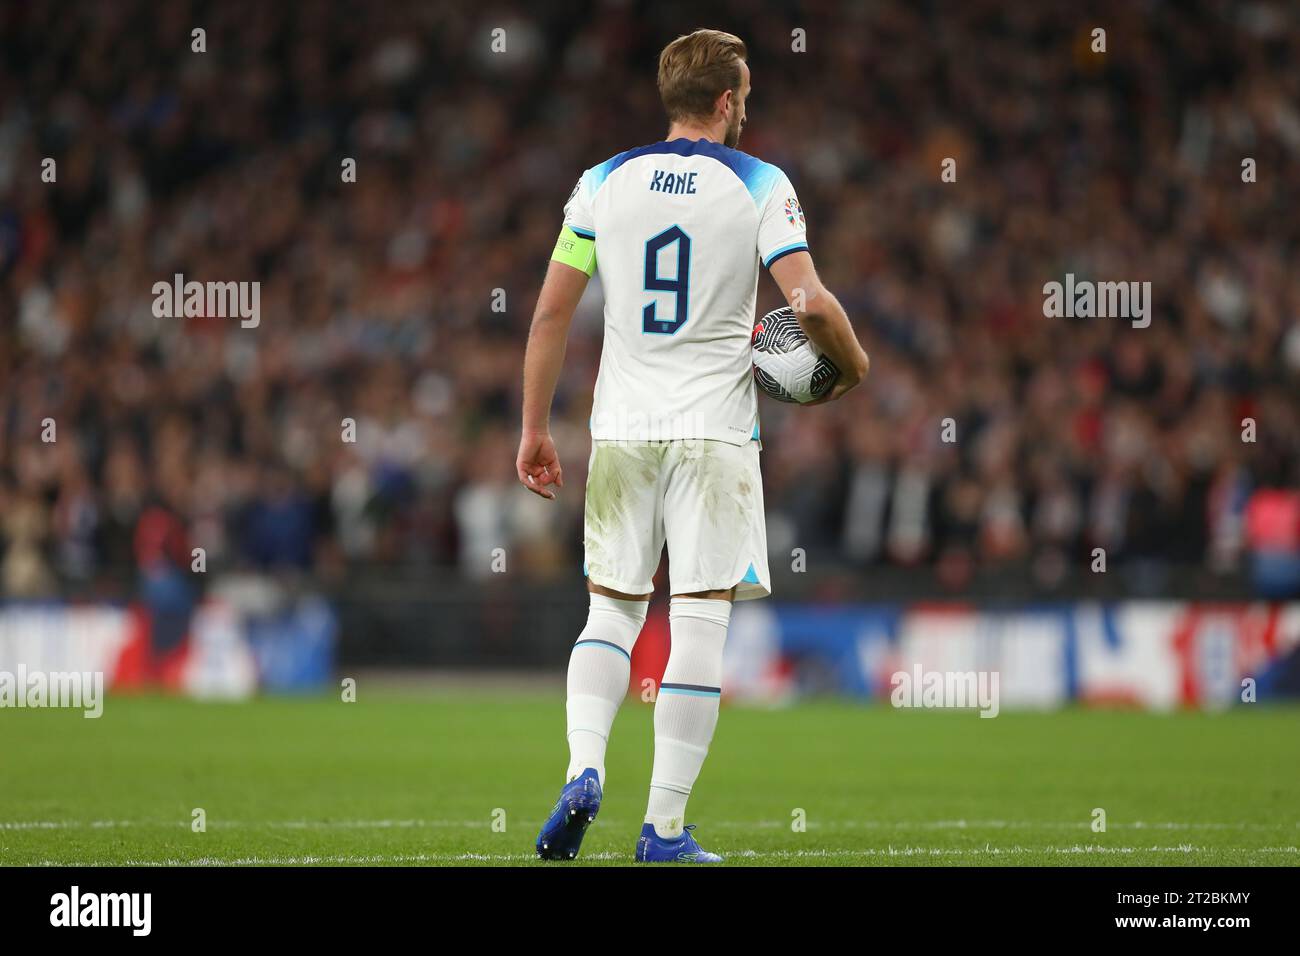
575,250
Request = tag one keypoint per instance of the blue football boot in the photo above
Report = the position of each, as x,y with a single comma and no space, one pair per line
652,848
578,805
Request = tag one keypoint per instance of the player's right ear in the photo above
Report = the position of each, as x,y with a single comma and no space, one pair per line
726,104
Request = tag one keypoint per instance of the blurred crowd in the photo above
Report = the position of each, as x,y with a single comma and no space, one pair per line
400,302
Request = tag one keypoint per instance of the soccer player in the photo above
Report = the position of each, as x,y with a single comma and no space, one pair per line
677,229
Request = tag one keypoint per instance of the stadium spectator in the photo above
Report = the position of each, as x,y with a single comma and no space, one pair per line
401,300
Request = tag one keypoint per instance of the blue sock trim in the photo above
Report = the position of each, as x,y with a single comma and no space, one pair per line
692,690
609,644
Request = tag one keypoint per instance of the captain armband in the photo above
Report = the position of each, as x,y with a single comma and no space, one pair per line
575,250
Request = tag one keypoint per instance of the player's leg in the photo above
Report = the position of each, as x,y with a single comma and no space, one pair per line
686,708
686,715
599,667
713,501
623,538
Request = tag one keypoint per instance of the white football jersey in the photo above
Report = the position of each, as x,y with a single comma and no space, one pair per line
680,228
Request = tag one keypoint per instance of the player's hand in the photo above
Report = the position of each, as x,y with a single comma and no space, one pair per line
841,386
845,381
538,465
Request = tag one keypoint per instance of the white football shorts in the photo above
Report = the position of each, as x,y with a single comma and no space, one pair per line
705,498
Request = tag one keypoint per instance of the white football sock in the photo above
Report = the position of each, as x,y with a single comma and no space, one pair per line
598,673
686,711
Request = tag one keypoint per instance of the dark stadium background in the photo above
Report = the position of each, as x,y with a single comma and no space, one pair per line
386,622
377,303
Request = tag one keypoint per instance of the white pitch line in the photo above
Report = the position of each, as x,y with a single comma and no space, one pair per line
70,824
720,824
274,824
775,855
1032,824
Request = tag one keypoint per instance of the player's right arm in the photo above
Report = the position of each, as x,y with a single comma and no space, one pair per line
537,463
572,263
823,320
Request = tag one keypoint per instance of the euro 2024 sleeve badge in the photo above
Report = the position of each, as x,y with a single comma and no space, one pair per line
794,213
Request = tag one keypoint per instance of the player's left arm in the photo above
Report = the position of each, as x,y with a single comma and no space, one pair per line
823,320
537,463
783,249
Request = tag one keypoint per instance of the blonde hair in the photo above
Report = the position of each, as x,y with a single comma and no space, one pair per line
695,69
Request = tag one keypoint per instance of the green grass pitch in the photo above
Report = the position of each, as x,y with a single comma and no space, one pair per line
466,777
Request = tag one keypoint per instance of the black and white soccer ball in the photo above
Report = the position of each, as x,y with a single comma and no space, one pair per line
786,365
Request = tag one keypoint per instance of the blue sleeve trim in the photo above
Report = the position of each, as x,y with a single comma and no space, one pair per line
585,233
779,254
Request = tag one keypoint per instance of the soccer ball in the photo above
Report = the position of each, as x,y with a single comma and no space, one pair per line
786,364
